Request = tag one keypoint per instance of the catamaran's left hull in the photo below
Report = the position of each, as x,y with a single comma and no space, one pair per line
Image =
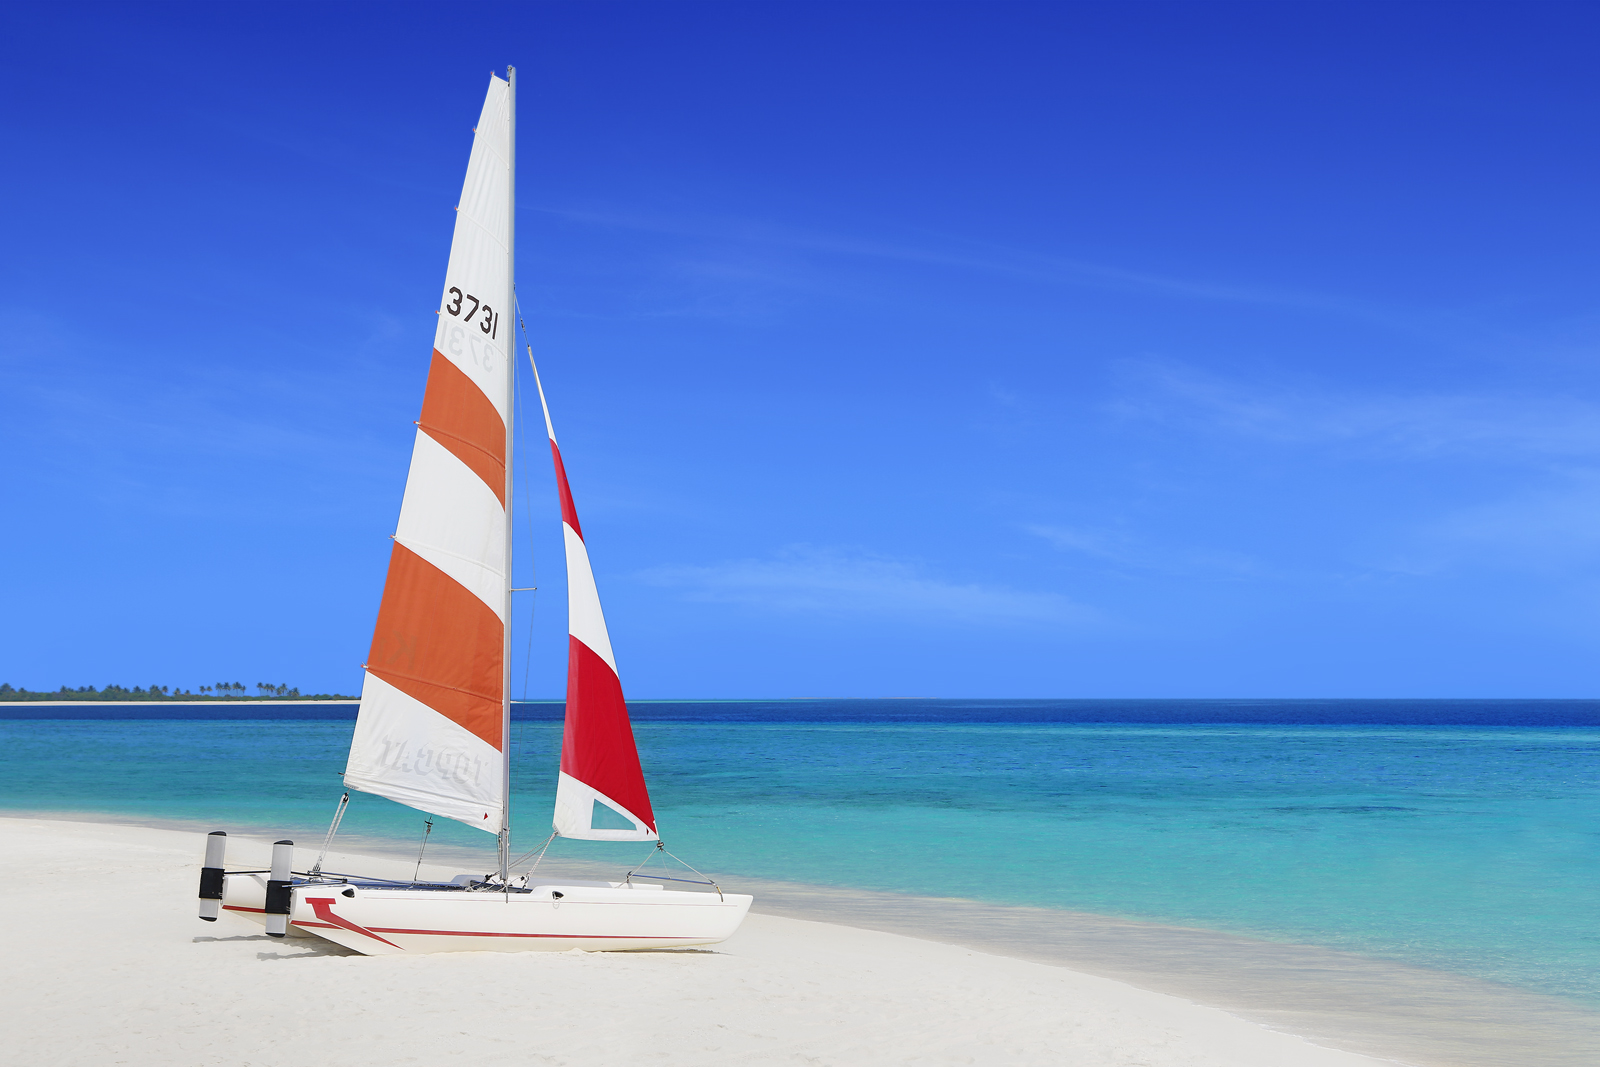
551,918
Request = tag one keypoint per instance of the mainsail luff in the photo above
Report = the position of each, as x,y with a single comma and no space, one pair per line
432,726
508,496
599,760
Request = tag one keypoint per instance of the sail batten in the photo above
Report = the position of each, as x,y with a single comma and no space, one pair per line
460,417
431,729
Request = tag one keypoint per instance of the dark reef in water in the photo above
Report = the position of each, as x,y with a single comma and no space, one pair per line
1165,712
163,693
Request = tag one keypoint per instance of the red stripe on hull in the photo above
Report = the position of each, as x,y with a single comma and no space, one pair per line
437,642
597,745
323,906
457,415
478,933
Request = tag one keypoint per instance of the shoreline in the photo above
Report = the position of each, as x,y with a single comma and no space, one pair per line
124,972
1338,1000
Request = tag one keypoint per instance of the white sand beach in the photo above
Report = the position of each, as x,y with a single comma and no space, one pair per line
107,964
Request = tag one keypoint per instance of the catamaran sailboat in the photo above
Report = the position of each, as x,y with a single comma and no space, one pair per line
434,720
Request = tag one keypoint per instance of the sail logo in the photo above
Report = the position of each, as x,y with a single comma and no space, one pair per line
453,765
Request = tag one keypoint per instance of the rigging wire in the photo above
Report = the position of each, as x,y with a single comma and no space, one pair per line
427,828
527,511
540,850
527,508
333,828
661,848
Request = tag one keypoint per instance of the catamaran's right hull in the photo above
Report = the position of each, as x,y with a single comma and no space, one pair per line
551,918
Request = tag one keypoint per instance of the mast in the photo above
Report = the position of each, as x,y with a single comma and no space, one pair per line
511,406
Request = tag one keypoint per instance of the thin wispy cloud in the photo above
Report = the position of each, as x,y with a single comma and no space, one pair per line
132,428
961,254
1552,528
831,582
1127,552
1417,424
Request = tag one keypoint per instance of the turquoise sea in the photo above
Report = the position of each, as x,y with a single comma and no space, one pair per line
1462,835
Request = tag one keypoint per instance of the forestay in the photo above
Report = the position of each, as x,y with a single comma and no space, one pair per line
431,729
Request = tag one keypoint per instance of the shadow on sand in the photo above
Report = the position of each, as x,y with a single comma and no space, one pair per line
313,947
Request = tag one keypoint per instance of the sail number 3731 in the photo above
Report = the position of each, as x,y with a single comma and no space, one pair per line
489,324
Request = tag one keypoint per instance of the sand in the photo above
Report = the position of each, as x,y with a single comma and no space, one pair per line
107,964
1382,1008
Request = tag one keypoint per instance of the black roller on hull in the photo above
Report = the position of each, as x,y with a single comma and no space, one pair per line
211,876
280,899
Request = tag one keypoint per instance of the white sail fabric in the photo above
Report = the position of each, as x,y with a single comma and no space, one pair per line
431,729
577,806
478,281
407,751
452,519
585,619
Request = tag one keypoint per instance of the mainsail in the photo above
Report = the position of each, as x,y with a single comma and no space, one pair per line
601,781
431,731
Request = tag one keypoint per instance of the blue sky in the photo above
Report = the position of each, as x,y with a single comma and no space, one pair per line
895,349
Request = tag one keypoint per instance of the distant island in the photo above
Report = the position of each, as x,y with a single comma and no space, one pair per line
221,690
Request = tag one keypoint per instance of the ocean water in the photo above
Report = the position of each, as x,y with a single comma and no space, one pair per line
1457,835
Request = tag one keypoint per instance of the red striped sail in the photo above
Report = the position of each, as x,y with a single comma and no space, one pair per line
600,794
431,730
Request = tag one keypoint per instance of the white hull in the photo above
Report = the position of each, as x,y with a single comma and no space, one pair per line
380,921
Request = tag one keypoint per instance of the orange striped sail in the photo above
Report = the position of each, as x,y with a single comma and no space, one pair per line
432,726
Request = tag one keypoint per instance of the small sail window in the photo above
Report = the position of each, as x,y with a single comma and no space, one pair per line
605,817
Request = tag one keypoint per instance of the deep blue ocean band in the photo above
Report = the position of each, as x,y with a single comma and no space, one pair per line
1488,713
